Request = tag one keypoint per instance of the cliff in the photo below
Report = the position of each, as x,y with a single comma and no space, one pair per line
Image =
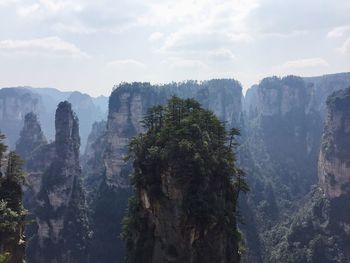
31,136
184,193
284,119
87,112
61,219
129,102
319,231
92,160
334,162
127,105
15,103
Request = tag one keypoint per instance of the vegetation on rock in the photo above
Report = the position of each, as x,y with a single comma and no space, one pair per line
184,175
12,213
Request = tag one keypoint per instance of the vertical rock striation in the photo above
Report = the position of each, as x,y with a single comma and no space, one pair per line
31,136
61,216
334,162
127,105
15,103
185,196
320,230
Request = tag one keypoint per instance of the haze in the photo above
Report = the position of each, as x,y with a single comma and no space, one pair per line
92,45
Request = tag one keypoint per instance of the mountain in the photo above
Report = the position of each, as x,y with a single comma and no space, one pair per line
186,188
127,105
16,102
284,120
281,149
58,201
319,231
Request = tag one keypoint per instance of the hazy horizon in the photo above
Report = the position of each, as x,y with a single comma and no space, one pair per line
91,46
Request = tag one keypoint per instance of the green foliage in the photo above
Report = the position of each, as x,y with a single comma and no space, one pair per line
192,145
4,257
12,212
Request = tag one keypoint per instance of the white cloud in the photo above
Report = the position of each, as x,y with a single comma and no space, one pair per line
52,46
338,31
345,48
294,33
201,26
7,2
28,10
183,63
305,63
156,36
43,9
126,63
222,54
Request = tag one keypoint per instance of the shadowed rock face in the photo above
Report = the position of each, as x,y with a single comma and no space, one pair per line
284,120
320,230
129,102
334,162
92,160
15,103
60,213
127,105
31,136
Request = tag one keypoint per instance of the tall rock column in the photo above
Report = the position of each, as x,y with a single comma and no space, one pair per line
334,161
183,209
61,215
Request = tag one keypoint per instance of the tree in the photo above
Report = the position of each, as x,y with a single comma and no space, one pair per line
190,147
12,213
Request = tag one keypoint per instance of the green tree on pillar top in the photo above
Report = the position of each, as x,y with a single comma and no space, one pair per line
185,177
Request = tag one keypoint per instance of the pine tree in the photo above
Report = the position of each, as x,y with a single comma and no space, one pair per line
187,150
12,213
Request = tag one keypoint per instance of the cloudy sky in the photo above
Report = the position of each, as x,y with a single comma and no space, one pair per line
91,45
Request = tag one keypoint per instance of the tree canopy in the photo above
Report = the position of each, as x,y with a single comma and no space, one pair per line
12,212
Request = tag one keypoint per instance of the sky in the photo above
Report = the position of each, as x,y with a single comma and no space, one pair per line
92,45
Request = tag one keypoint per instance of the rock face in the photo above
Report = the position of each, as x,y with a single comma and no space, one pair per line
93,157
87,111
334,162
320,230
15,103
129,102
182,203
31,136
61,216
278,130
284,123
127,105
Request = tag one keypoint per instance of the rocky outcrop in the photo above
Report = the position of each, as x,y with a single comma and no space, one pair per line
334,162
37,156
88,113
129,102
31,137
320,230
127,105
61,219
284,123
92,159
278,133
184,198
15,103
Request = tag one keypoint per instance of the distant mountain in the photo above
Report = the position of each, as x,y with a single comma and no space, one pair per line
16,102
